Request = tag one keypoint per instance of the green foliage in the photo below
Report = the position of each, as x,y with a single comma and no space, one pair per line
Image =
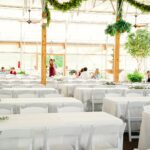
120,26
111,30
2,118
65,6
138,44
21,72
59,60
136,87
72,72
141,6
135,76
47,11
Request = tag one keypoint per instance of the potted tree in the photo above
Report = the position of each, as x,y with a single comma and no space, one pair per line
138,46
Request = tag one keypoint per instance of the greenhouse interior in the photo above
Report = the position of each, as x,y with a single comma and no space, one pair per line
74,74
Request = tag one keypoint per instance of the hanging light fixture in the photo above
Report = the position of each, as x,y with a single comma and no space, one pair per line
29,20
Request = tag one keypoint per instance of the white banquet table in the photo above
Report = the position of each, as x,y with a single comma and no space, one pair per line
144,140
117,106
68,89
52,103
40,91
84,120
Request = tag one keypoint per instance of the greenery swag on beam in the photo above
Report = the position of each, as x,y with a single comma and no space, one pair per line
141,6
65,6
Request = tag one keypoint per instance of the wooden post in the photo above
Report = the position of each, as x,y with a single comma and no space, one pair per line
116,70
43,53
116,58
37,61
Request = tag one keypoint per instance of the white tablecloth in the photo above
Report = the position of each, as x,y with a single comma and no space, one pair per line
39,91
53,103
85,94
117,106
68,89
85,120
144,140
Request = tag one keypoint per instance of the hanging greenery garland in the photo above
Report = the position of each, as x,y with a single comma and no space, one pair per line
141,6
65,6
48,14
120,26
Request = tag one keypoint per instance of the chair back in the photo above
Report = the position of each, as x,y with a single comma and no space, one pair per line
34,108
98,94
107,137
70,109
6,110
65,136
115,92
134,93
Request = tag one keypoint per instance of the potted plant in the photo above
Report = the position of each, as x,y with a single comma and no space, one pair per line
138,45
135,77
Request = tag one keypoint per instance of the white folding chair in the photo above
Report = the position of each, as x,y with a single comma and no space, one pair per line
16,140
115,92
64,137
134,115
97,98
52,95
147,107
34,108
6,110
108,137
44,92
69,109
5,94
27,94
134,93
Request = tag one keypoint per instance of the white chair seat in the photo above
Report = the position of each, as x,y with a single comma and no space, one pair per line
101,148
33,108
61,147
52,95
70,109
27,96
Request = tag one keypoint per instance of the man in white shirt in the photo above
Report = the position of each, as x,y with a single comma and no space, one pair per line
85,74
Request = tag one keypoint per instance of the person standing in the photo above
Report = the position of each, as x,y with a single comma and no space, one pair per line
52,71
148,76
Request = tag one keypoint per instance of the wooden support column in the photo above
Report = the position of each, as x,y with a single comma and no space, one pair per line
116,58
43,53
116,69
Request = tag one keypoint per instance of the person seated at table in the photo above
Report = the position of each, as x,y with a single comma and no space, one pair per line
13,71
79,73
52,71
96,74
2,70
85,74
148,76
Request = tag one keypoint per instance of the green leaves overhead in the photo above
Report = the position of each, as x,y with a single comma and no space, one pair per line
65,6
141,6
120,26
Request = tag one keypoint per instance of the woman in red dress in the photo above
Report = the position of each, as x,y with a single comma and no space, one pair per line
13,71
52,71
